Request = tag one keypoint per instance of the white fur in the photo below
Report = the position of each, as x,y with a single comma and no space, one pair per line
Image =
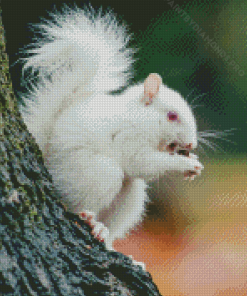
101,148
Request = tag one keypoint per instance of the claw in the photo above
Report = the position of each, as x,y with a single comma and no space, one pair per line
99,231
88,217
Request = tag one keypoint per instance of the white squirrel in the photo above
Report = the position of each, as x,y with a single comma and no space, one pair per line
102,148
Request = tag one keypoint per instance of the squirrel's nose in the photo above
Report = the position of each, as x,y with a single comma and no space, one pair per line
189,146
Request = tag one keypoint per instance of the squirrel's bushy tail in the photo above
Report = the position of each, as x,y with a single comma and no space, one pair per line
80,52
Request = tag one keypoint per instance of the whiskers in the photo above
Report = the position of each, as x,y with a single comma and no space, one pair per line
207,138
193,101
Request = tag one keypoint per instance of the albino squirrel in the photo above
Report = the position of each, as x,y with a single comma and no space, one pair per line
101,148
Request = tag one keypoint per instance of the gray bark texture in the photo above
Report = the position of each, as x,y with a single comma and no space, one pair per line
45,250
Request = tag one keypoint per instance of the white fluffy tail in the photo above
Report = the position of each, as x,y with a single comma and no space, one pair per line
81,52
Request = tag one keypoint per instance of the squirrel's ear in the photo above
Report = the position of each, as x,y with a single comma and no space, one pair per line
151,87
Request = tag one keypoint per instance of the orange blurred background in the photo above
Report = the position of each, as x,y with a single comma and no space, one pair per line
199,247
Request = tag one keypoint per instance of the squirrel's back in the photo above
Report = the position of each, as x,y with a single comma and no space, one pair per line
81,52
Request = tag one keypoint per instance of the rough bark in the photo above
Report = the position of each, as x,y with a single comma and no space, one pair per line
43,249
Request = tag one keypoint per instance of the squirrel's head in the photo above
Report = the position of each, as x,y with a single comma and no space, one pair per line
176,121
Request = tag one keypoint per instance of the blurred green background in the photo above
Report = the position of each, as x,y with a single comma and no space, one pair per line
199,47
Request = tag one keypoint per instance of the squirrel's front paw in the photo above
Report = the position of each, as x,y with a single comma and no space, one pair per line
189,165
194,169
99,231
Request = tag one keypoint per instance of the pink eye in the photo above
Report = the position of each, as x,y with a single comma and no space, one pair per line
172,116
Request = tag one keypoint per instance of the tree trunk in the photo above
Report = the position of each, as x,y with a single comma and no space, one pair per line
45,250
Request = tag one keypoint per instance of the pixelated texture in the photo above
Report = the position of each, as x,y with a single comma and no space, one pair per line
42,250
